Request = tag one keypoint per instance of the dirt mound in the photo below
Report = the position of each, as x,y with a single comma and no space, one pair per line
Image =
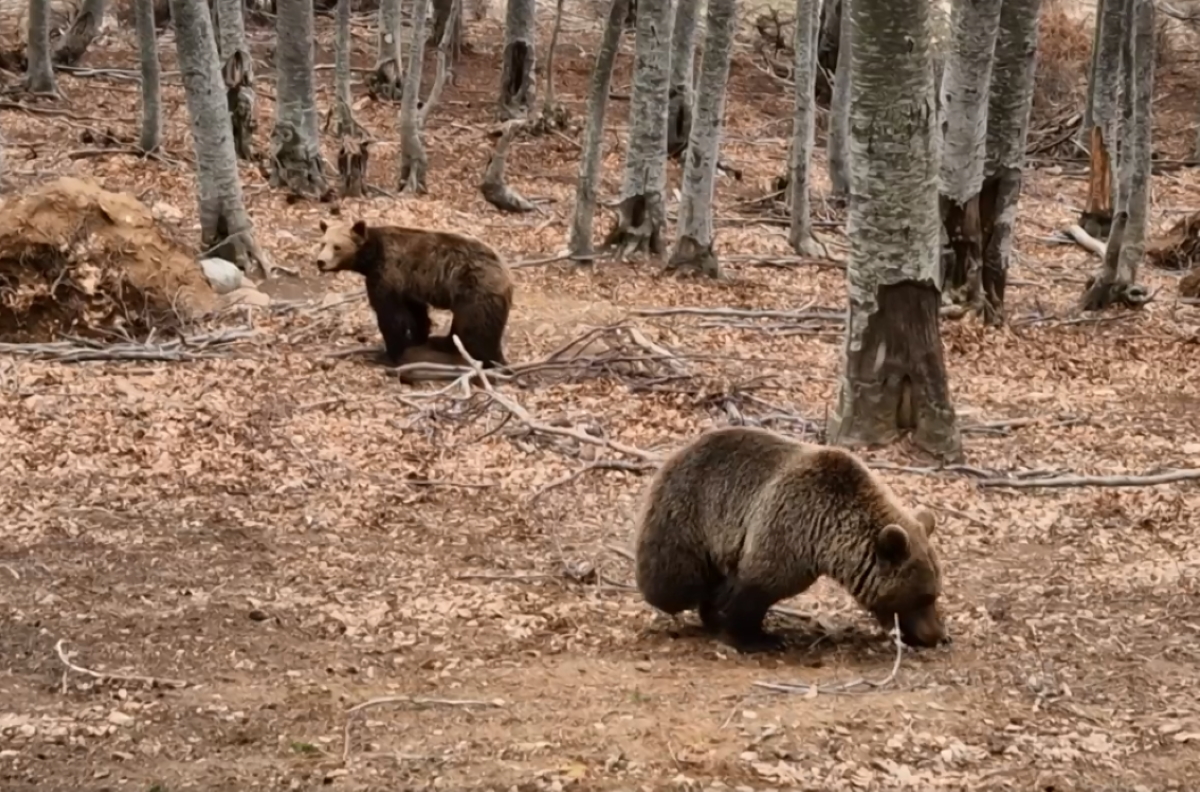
76,258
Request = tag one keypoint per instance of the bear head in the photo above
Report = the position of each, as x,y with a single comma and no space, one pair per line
909,580
340,244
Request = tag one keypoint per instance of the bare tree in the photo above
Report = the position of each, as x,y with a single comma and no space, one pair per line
642,215
225,228
554,115
683,51
3,164
237,70
1116,281
580,241
82,32
803,126
1102,110
353,144
151,137
518,81
387,81
894,380
296,161
414,162
1009,103
39,71
838,147
964,108
694,244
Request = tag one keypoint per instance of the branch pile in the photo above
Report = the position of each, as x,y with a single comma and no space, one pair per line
76,258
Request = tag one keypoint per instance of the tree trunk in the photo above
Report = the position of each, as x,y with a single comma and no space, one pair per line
518,76
1088,121
1105,81
352,148
237,71
387,81
414,162
828,33
642,215
1009,104
694,246
296,161
39,72
443,14
838,146
592,156
225,228
3,164
894,379
803,126
151,137
683,51
963,112
554,115
83,31
1116,281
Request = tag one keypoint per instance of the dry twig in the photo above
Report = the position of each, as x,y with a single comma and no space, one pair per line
152,681
414,701
1150,480
860,685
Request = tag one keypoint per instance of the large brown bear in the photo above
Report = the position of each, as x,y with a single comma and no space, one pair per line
410,269
741,518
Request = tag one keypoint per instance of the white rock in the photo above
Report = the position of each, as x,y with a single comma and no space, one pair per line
223,275
119,718
246,295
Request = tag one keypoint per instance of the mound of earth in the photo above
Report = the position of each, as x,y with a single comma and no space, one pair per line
76,258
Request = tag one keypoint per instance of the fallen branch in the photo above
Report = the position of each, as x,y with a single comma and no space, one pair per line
860,685
600,464
495,190
79,349
1151,480
148,680
1086,240
412,700
826,316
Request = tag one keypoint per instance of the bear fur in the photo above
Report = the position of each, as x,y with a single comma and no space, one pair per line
408,270
741,518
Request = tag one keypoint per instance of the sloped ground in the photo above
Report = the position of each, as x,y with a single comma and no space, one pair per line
288,534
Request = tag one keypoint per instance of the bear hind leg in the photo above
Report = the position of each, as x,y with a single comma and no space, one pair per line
743,605
421,323
480,326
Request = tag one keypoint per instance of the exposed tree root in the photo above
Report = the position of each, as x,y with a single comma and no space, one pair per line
386,82
495,190
640,226
1109,287
692,258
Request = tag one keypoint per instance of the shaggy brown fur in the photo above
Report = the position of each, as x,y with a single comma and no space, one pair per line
741,518
410,269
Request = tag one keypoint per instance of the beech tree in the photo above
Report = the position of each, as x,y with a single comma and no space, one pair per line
694,243
592,157
237,71
1102,111
39,71
642,214
387,80
296,161
894,378
808,17
225,229
1010,100
82,32
838,146
352,146
414,161
964,110
151,136
683,51
518,74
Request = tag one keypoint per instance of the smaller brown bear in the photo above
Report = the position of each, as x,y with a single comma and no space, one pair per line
410,269
741,518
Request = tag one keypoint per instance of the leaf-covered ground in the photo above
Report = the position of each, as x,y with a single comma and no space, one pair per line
276,535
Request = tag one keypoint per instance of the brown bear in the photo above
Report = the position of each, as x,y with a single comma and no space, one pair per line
410,269
741,518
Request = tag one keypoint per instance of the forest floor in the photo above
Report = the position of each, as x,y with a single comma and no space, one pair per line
277,535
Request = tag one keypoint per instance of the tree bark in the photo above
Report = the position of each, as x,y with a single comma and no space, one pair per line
387,81
894,381
681,98
1104,82
151,136
694,246
225,229
444,14
237,70
838,147
803,128
296,161
414,161
82,32
353,148
518,75
39,71
964,111
592,157
642,214
1009,103
554,115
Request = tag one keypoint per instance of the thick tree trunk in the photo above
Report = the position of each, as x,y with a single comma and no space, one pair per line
554,115
643,215
414,162
387,81
803,127
352,148
894,380
83,31
39,71
683,51
518,76
225,229
1116,281
963,111
296,161
828,33
694,244
592,156
151,137
1104,82
444,13
838,147
237,70
1009,103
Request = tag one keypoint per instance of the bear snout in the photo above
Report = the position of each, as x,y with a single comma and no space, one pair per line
924,629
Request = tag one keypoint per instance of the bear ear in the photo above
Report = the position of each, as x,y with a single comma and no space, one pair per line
927,519
323,225
359,229
892,544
